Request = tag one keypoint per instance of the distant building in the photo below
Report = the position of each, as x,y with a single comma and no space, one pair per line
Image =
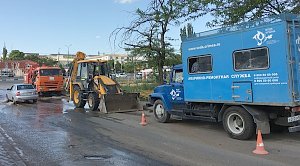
17,67
63,59
121,58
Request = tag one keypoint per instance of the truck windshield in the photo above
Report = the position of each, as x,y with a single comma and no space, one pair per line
50,72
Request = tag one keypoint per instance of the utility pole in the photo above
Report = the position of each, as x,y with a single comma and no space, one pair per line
68,46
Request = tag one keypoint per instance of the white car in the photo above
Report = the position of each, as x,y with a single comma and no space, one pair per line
121,75
21,92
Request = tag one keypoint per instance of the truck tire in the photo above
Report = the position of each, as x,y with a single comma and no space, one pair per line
160,113
238,123
93,101
78,98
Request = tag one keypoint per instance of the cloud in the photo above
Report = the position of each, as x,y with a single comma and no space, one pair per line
124,1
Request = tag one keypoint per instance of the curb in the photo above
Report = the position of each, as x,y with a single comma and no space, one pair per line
11,79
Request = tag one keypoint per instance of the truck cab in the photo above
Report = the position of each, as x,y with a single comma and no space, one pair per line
168,98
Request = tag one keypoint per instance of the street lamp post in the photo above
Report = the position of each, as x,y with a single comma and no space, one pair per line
68,46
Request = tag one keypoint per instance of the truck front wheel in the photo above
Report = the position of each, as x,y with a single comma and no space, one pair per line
238,123
160,113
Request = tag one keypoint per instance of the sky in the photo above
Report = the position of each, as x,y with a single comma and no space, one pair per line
52,26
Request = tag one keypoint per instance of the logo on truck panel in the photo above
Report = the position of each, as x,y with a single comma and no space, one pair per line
261,37
298,43
174,93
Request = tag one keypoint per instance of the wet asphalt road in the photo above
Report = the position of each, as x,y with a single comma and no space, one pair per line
52,132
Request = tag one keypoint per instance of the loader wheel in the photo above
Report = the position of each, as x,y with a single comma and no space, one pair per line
93,101
160,113
238,123
78,98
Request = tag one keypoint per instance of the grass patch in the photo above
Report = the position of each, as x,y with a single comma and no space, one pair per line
144,88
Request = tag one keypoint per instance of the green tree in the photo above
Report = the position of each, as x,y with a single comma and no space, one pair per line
16,55
4,52
187,31
230,12
147,33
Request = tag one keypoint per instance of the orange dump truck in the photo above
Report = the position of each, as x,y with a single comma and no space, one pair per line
47,80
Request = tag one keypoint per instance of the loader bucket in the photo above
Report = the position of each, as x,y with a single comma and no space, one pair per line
122,102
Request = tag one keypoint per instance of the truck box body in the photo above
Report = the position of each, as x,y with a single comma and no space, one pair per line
254,63
245,76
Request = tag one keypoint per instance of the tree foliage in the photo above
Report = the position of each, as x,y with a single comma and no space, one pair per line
187,31
230,12
16,55
4,52
147,33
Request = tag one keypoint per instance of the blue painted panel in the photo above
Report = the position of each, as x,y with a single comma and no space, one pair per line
242,92
269,85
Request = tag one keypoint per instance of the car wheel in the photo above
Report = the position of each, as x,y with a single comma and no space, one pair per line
14,101
7,99
238,123
93,101
160,113
34,101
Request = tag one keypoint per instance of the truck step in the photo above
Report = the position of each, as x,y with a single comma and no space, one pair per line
190,115
203,118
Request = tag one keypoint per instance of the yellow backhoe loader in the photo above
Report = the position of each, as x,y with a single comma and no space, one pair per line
89,82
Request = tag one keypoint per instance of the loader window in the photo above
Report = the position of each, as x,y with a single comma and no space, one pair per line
251,59
84,71
200,64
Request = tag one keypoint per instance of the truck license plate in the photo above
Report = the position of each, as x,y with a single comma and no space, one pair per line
51,78
293,118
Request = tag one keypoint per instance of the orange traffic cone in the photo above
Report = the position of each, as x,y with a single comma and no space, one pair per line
143,120
260,149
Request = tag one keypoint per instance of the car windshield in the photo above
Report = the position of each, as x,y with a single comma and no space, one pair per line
50,72
23,87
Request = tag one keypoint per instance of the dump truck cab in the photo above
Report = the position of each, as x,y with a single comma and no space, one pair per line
47,80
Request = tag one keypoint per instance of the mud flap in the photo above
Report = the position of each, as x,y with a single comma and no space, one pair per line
122,102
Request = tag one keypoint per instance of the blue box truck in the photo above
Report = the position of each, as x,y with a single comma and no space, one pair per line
246,76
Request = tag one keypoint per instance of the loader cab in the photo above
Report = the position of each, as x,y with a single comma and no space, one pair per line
87,70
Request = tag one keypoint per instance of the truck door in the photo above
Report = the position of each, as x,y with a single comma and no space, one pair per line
176,93
294,52
242,92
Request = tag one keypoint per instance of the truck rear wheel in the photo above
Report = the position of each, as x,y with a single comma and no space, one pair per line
93,101
160,113
238,123
78,98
